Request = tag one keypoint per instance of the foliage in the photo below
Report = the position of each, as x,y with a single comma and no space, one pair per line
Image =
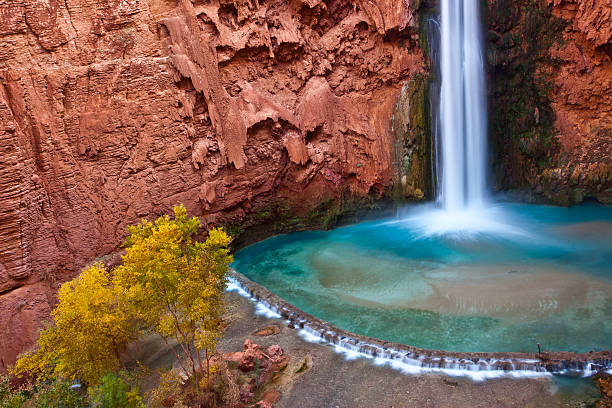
114,392
168,390
10,398
175,285
168,284
90,329
55,394
59,394
16,399
4,387
222,388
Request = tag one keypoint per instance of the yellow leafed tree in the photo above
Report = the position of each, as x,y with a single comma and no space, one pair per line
89,332
168,284
175,285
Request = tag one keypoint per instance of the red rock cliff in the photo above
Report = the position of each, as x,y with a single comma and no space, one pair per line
551,97
115,110
582,98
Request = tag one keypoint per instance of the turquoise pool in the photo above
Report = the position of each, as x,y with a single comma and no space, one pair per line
502,278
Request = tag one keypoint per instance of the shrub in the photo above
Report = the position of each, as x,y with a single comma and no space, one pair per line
168,284
11,398
175,285
59,394
168,392
114,392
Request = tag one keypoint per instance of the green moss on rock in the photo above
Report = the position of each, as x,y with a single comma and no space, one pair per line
278,217
521,119
411,127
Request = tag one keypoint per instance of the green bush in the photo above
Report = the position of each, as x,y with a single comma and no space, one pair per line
113,392
4,388
10,398
58,394
15,399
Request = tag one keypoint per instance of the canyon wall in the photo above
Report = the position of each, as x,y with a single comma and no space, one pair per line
551,98
259,110
115,110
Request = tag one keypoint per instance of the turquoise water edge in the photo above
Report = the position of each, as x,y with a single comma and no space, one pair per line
505,278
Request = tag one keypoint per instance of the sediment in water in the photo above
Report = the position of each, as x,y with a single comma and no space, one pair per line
413,359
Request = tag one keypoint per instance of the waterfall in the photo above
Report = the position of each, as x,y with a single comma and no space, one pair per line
462,108
459,125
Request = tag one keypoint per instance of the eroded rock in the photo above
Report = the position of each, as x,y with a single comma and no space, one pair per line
114,111
551,98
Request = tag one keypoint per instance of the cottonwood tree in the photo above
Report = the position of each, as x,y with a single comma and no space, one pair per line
90,329
175,285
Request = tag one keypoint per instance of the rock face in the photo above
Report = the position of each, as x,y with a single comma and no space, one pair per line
413,141
582,97
551,97
115,110
257,367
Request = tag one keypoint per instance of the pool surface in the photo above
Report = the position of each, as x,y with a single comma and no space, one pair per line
502,278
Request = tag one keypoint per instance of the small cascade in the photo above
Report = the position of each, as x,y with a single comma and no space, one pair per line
413,360
462,109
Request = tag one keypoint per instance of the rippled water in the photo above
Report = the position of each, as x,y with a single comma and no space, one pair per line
514,276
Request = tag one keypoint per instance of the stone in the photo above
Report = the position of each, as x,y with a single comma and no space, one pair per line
260,366
267,331
268,399
577,103
22,311
114,111
603,381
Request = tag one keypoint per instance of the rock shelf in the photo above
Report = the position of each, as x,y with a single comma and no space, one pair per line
559,363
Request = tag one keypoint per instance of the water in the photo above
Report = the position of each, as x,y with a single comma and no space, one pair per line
522,275
462,108
464,274
575,391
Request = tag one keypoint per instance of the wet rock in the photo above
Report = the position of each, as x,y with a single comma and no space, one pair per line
603,381
558,141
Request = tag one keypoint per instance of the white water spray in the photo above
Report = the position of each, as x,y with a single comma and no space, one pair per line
462,108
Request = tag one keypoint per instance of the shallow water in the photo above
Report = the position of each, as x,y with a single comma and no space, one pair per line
509,277
575,391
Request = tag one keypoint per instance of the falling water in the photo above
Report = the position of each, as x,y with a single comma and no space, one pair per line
462,108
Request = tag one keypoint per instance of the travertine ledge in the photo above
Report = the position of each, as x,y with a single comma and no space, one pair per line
546,362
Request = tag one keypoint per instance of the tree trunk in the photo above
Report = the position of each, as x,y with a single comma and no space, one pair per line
175,354
200,361
208,356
